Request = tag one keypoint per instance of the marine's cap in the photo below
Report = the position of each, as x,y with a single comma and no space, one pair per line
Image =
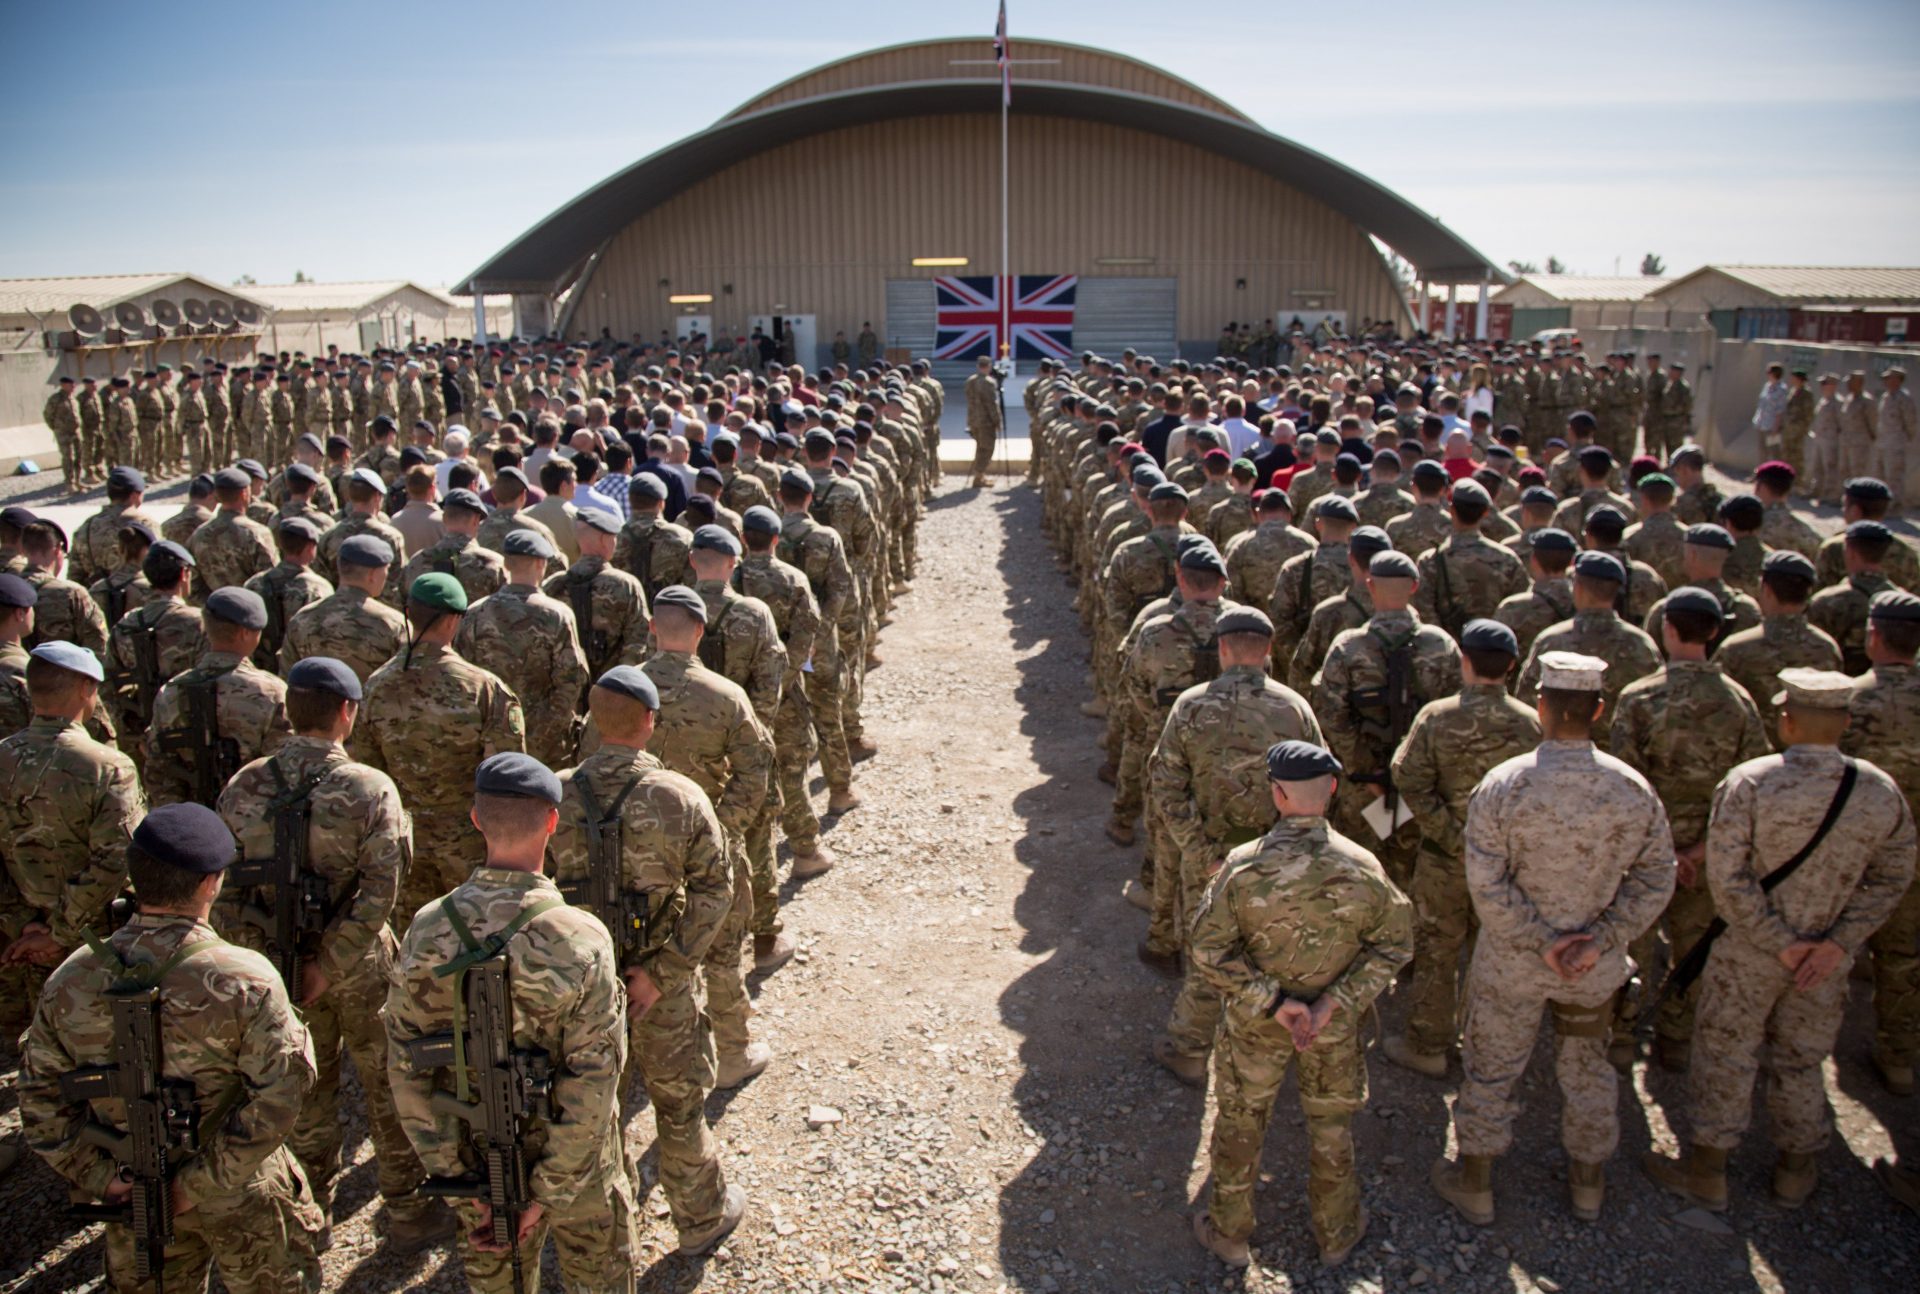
1784,561
1468,490
231,478
1896,606
1368,540
1244,620
716,539
324,674
1599,566
1300,761
237,606
187,836
1489,635
607,523
1815,689
127,478
649,485
440,591
16,592
300,528
364,550
512,773
1708,535
1570,671
1694,599
1336,507
71,656
1392,566
681,598
526,543
1167,491
464,498
761,520
1868,489
1204,558
632,682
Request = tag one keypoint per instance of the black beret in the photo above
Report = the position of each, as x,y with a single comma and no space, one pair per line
231,478
464,498
340,445
1387,458
1468,490
16,516
16,592
412,456
187,836
1336,507
1708,535
760,519
1607,520
364,550
1600,566
716,539
1166,492
1368,540
1428,470
1869,532
631,681
1692,455
1392,566
598,519
1489,635
512,773
1539,496
1300,761
1555,540
1203,557
1784,561
526,543
681,598
1244,620
237,606
1895,605
710,474
300,528
324,674
1581,420
1868,489
1595,458
1145,474
646,484
509,473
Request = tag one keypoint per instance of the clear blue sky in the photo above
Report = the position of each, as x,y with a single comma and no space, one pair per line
360,140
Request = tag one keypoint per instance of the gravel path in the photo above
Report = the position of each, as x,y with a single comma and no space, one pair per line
968,1025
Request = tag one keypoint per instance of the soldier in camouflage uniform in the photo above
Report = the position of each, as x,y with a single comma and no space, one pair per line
1777,976
1429,523
124,588
1866,498
1596,629
288,587
193,514
1383,500
529,640
63,610
151,644
62,416
1780,526
742,642
123,425
1658,536
428,717
16,621
1783,639
568,1003
509,514
68,805
1349,609
358,844
366,493
1308,579
1588,489
353,624
1452,744
1886,720
1699,499
1550,600
1683,728
1568,860
1373,683
1641,585
150,407
1254,557
1466,577
479,571
232,547
707,731
1209,790
670,849
652,549
1842,610
1703,558
818,552
247,705
192,441
609,606
1299,933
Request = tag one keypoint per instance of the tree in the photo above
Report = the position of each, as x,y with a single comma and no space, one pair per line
1652,266
245,281
1555,265
1523,267
300,276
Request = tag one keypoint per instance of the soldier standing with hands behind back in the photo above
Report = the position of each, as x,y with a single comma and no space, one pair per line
983,418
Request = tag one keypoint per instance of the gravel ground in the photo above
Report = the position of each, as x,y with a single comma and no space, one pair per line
967,1023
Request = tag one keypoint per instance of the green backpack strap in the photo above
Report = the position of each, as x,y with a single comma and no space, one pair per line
477,950
143,974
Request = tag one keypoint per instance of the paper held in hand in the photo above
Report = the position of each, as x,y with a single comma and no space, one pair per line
1376,816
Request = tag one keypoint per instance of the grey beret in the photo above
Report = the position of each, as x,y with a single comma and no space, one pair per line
466,499
1784,561
1300,761
127,478
71,656
794,479
1336,507
1428,470
368,477
761,520
1868,489
1166,491
526,543
1468,490
1392,566
1244,620
1539,496
1555,540
237,606
1203,557
1368,540
607,523
187,836
716,539
1871,532
649,485
1489,635
631,681
231,478
302,473
1600,566
681,598
300,528
1694,599
325,674
16,592
512,773
165,554
251,466
364,550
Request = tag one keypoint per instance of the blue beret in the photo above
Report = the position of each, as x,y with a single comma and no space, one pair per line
1392,566
464,498
231,478
16,592
365,550
165,555
251,466
73,657
325,674
1244,620
796,480
1784,561
301,527
1203,557
1600,566
818,438
631,681
127,478
16,516
1300,761
1387,458
1871,532
761,520
1368,540
682,598
648,485
187,836
526,543
303,474
716,539
1895,605
600,519
1868,489
1166,492
512,773
1489,635
1552,539
1336,507
237,606
1708,535
1694,599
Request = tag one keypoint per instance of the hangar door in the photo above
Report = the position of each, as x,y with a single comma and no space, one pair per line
1115,313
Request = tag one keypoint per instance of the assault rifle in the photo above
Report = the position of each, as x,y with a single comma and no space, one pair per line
214,759
301,898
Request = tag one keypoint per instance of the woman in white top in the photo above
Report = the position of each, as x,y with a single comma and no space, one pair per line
1480,392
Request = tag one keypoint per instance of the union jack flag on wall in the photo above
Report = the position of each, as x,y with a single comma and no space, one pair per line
967,316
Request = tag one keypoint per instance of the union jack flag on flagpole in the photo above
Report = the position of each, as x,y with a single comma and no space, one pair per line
1003,56
968,313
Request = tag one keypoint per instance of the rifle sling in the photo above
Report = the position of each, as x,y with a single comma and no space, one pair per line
476,951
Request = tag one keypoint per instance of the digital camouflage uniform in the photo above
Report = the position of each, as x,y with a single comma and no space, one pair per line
1754,657
481,571
1628,652
349,626
68,807
528,640
429,718
226,1027
1302,912
796,616
569,1003
230,549
1886,730
1564,839
1452,744
1683,728
1764,812
250,710
119,591
360,844
1208,785
672,851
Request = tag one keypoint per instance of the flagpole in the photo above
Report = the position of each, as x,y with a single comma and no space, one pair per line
1007,287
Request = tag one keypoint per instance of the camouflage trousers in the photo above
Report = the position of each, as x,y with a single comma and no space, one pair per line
1175,884
68,444
1896,980
1823,467
123,448
347,1018
1687,917
260,1237
91,446
823,699
851,680
984,439
20,986
727,1004
1130,775
1856,457
1443,927
1747,1000
446,847
1890,462
596,1237
197,445
1793,449
1503,1019
672,1048
149,447
1249,1065
219,436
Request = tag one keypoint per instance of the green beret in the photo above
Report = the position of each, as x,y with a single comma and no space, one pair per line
439,591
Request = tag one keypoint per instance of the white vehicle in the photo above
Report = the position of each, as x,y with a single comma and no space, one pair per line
1557,334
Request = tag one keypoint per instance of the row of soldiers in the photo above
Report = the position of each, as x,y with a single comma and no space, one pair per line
358,778
1536,736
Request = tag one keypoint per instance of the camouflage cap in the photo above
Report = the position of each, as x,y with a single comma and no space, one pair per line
187,836
514,774
1815,689
439,591
1571,671
1300,761
631,681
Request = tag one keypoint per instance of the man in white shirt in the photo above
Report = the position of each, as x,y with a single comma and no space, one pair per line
456,445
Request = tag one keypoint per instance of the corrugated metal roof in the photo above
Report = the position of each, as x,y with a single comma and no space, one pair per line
54,295
1580,287
1841,283
337,296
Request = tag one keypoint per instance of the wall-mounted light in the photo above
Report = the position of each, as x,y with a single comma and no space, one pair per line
691,299
1123,260
939,260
